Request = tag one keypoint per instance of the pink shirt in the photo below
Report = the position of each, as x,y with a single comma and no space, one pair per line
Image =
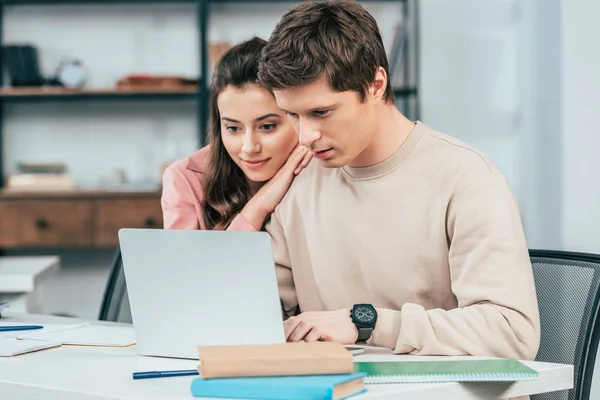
183,194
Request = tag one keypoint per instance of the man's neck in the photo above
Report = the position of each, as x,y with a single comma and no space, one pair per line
394,128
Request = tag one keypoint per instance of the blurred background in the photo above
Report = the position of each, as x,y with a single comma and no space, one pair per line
99,96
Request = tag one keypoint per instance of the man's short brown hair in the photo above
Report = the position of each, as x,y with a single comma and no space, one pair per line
338,39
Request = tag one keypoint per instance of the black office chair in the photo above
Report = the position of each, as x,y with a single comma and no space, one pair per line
568,290
115,304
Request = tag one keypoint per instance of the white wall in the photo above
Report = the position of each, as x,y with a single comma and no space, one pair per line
471,82
541,80
580,127
561,75
518,80
96,138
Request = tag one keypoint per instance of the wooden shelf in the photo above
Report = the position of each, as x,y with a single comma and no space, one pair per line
57,93
76,194
36,94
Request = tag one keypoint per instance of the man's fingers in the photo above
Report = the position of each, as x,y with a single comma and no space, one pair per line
314,335
289,325
302,329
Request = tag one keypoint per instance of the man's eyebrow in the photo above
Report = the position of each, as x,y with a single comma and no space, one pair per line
325,107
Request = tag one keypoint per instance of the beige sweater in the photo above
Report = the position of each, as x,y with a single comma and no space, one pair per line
431,237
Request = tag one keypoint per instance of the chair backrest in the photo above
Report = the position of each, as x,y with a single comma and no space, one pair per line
115,304
568,291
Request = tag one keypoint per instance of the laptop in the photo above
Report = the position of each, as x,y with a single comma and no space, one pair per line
192,287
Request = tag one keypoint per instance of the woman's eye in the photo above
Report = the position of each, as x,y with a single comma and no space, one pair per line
267,127
232,129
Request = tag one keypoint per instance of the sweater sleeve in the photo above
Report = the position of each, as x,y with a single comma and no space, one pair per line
179,205
283,267
492,280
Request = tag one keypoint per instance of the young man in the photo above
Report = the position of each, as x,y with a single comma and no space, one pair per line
398,235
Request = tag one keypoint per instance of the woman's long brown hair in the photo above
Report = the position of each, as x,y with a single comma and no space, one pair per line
226,188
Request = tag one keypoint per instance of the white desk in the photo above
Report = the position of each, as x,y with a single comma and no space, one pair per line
22,279
69,373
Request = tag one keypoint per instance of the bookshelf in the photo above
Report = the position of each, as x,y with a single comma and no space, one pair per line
406,95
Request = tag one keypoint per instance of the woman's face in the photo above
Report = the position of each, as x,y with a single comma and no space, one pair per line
255,132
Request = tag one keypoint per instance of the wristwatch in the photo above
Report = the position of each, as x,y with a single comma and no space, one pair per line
364,316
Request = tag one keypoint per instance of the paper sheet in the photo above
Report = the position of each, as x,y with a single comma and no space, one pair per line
12,347
47,327
86,335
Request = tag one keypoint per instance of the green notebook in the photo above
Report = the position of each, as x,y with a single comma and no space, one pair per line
495,370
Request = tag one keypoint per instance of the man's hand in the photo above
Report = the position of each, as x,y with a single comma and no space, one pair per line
329,326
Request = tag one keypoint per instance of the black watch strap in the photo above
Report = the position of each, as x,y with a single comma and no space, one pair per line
364,334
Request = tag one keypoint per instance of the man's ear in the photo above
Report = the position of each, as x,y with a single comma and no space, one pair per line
379,84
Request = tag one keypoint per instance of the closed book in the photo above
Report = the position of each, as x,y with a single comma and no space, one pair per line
281,359
468,370
323,387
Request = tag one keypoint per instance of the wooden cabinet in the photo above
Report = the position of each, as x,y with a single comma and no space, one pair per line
37,223
114,214
79,219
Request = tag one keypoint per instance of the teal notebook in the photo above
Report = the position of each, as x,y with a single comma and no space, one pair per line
496,370
311,387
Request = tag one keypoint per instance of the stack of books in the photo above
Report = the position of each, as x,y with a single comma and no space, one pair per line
327,371
287,371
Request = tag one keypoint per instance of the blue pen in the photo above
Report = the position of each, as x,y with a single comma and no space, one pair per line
19,328
164,374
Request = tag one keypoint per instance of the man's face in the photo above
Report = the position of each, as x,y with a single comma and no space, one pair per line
336,126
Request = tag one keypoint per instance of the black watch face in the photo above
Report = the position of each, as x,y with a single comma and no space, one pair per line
364,314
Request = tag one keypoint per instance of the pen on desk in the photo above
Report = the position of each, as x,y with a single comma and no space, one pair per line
164,374
19,328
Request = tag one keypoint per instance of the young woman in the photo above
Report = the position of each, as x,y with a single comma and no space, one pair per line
235,182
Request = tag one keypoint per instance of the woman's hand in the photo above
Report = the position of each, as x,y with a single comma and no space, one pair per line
268,197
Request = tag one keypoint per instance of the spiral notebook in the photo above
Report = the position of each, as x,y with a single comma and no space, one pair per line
490,370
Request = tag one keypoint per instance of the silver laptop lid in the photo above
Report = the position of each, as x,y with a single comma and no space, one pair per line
192,287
